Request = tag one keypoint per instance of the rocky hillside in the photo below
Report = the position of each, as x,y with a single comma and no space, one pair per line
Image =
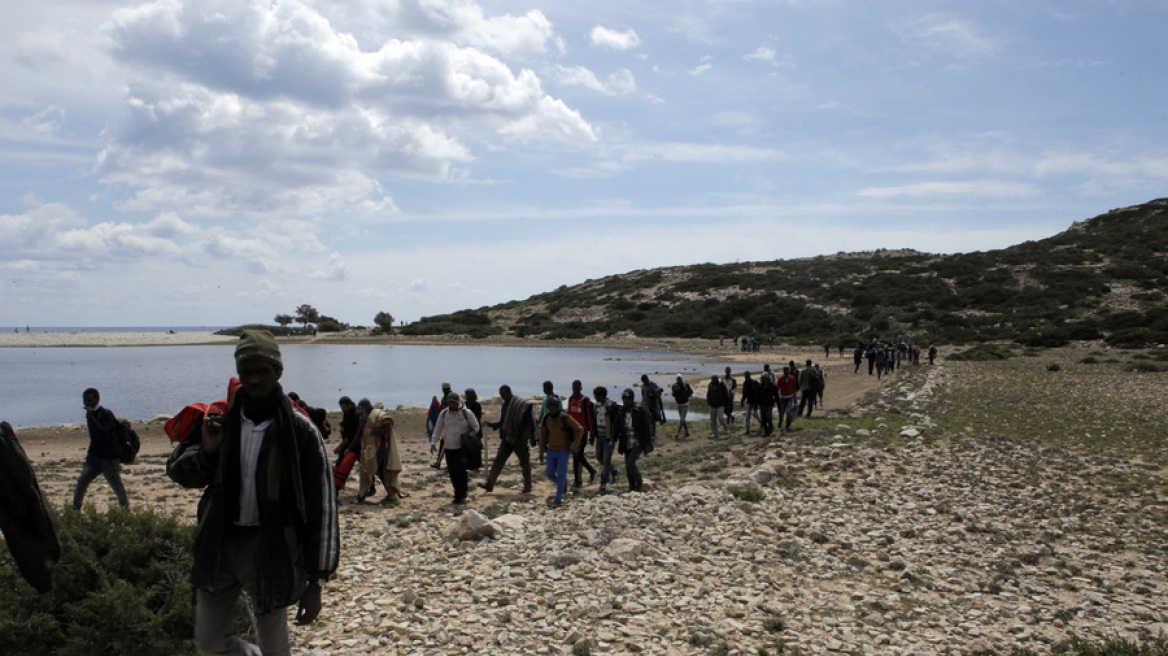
1103,278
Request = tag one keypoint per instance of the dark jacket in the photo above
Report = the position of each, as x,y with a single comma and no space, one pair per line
299,535
768,393
717,395
26,517
750,391
350,422
642,429
103,434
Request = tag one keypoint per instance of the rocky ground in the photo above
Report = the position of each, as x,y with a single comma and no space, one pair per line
865,532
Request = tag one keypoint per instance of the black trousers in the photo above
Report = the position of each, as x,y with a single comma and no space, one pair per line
521,451
766,419
580,463
456,467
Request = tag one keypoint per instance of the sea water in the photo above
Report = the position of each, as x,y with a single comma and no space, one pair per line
42,386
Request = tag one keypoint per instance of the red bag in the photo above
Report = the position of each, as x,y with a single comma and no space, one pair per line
178,429
341,472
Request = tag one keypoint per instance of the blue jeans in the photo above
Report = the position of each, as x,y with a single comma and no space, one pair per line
108,467
557,471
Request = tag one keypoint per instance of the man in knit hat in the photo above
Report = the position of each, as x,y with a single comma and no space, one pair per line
268,517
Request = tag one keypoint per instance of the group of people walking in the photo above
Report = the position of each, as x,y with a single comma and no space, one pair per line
794,392
561,428
268,519
886,357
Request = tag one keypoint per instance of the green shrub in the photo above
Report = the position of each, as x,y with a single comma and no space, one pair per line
1053,366
120,588
1143,368
751,494
1112,647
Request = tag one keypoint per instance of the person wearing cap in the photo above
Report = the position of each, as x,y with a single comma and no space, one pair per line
634,436
559,437
453,421
268,516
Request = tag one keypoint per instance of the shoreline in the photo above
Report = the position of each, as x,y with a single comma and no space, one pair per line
709,347
110,339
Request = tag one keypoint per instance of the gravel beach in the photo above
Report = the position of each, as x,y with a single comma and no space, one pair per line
869,536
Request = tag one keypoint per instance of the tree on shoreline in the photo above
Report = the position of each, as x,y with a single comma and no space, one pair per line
384,321
307,314
283,320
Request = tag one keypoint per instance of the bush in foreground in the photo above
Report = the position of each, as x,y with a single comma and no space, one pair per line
120,588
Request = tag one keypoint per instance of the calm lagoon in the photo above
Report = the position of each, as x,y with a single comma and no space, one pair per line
42,386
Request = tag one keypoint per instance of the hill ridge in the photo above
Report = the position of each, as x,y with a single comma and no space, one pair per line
1101,278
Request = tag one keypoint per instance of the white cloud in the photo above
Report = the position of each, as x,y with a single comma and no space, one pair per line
610,38
46,122
263,108
35,229
700,68
762,53
976,188
335,269
768,55
462,22
619,83
947,35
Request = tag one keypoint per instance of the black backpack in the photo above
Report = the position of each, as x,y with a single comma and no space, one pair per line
128,442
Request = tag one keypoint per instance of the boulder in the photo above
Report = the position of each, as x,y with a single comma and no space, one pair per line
510,521
621,549
764,474
471,525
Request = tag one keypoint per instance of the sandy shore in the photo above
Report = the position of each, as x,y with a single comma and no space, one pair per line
47,340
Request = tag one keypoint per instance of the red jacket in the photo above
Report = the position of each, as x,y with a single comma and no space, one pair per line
580,409
788,385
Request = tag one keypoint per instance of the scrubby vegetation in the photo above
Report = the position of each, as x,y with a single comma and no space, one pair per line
1101,279
121,588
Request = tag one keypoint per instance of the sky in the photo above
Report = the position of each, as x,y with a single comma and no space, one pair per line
218,162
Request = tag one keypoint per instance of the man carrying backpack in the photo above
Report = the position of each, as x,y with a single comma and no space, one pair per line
559,437
105,450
